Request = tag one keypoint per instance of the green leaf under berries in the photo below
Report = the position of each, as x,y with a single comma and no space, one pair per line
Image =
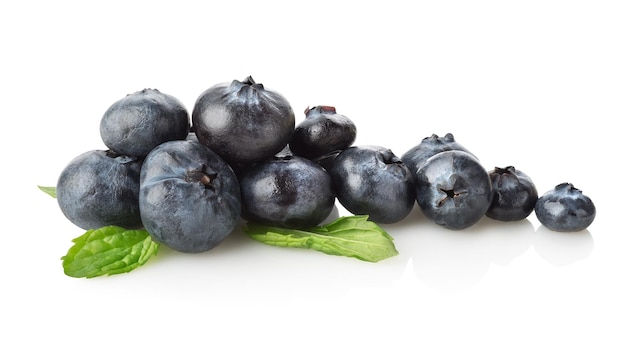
49,190
351,236
108,250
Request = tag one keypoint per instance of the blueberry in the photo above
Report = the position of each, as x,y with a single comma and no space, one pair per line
565,209
328,160
140,121
287,191
429,146
189,196
514,194
322,132
243,122
453,189
100,188
372,180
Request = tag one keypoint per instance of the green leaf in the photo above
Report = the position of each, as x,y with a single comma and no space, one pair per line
108,250
351,236
50,190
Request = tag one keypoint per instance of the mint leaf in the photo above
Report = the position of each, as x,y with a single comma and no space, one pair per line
351,236
108,250
50,190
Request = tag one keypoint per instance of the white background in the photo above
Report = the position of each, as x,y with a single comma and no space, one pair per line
534,84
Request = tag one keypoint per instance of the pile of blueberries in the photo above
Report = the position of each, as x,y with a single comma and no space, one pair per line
188,181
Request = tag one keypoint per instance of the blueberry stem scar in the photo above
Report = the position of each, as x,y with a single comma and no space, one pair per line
202,177
450,195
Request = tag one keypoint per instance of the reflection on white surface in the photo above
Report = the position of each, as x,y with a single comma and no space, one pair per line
453,261
561,249
457,260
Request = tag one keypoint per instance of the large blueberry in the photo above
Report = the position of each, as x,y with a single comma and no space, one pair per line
242,121
287,191
428,147
514,194
372,180
565,209
322,132
100,188
453,189
140,121
189,196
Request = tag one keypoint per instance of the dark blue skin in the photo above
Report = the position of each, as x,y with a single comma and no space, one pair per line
565,209
139,122
189,196
429,146
371,180
100,188
453,189
243,122
287,191
322,132
514,194
328,160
